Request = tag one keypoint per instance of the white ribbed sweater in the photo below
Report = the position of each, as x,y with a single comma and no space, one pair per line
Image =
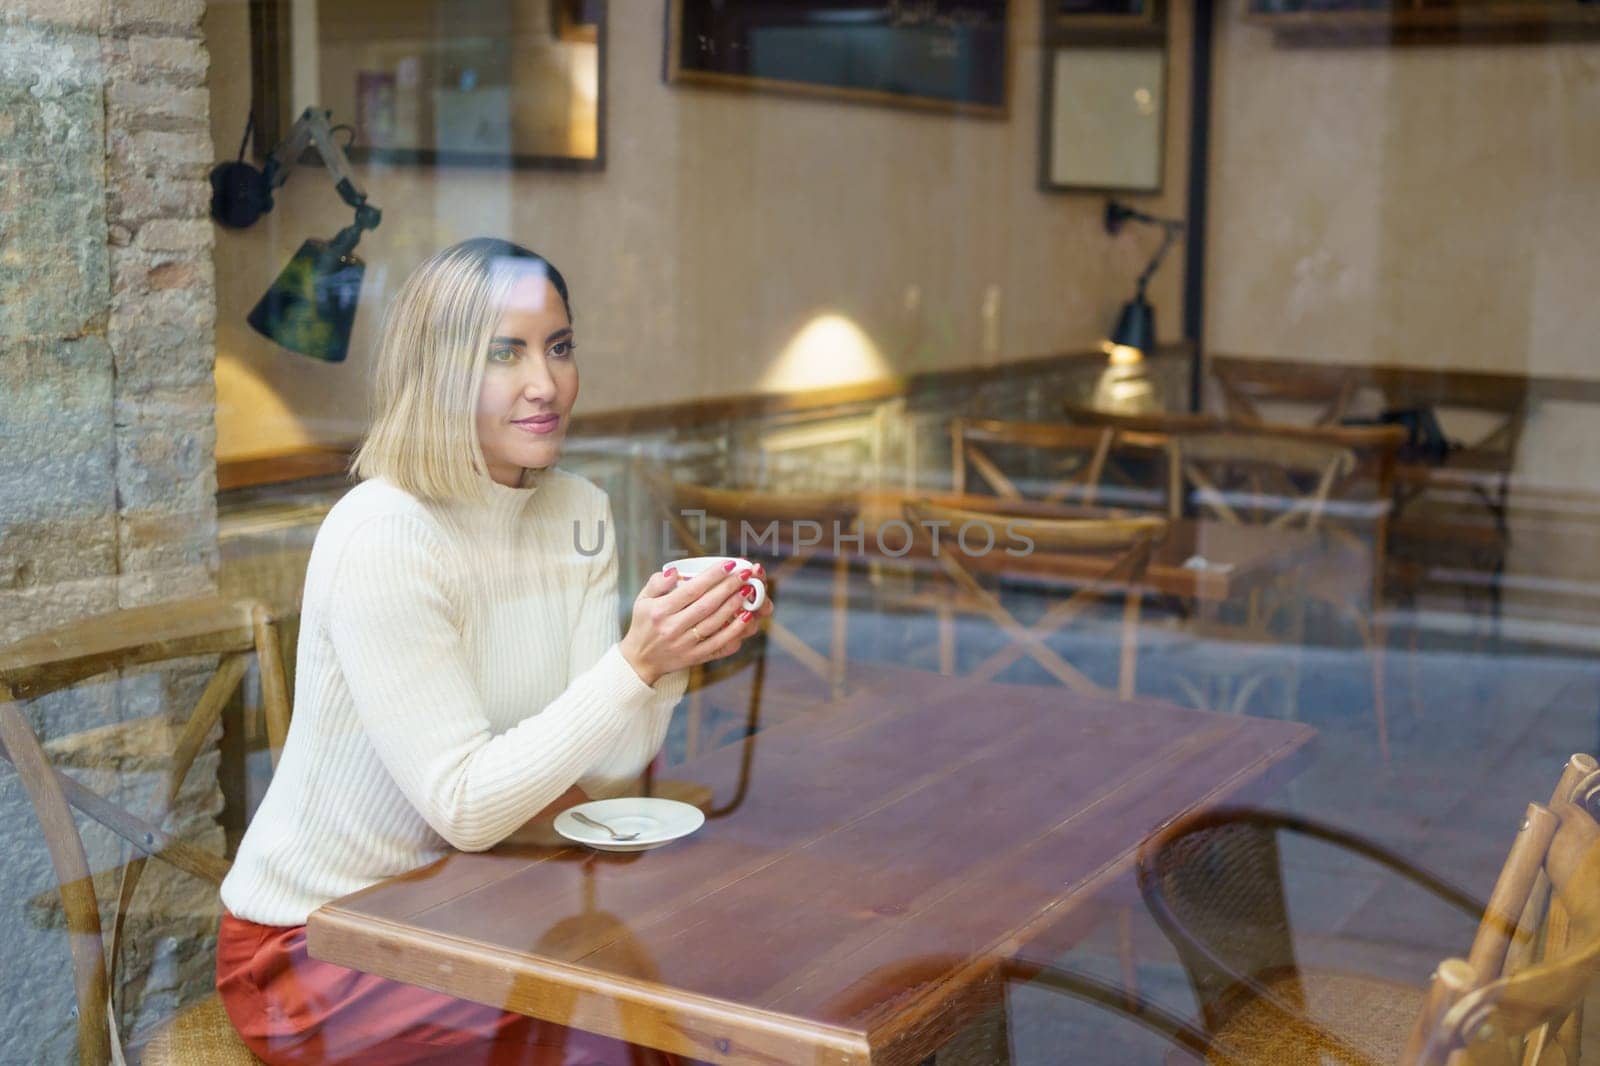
457,671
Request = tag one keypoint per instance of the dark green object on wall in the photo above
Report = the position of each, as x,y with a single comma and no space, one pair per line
311,307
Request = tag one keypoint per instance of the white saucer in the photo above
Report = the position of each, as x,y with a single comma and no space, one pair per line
657,821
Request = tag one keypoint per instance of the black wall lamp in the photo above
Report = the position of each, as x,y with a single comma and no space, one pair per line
1135,331
311,307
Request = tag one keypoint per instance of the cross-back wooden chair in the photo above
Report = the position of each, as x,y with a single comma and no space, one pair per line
1240,476
1116,552
1454,510
1356,504
711,521
1310,481
60,658
1247,384
1256,479
1213,882
1076,455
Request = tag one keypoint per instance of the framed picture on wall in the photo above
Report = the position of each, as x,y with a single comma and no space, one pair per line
1068,19
1103,119
491,83
947,55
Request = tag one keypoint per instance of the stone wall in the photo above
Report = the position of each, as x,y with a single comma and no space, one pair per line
107,306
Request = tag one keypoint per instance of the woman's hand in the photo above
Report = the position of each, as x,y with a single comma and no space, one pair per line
677,624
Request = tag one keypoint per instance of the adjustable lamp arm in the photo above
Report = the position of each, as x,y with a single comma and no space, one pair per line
1169,234
1117,215
312,129
240,193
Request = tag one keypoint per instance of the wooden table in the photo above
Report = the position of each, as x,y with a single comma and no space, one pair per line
891,850
1237,556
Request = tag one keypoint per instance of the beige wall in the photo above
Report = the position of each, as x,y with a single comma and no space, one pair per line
723,225
1425,206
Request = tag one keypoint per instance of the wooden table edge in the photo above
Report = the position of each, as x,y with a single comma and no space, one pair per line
636,1011
689,1023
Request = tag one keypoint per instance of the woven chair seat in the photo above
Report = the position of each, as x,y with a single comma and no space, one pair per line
201,1035
1354,1020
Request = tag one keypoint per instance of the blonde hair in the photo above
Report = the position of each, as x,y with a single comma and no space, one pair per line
424,435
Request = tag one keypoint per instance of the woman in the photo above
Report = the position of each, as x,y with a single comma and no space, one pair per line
459,671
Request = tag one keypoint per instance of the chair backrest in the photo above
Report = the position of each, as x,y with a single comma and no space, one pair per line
1117,551
1502,400
1255,478
717,521
1357,506
1064,463
1248,384
60,658
1112,534
1150,429
1214,884
1518,995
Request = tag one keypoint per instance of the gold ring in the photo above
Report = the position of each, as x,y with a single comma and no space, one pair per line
696,631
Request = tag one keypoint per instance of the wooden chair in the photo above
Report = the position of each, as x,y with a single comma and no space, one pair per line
1302,450
1214,885
1256,479
1247,384
60,658
722,519
1334,480
1303,483
1453,515
1076,456
1121,547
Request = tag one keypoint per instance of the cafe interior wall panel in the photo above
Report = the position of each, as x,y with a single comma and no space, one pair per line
735,242
1424,206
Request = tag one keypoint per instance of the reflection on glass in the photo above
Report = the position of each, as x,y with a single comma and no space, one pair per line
477,81
1112,704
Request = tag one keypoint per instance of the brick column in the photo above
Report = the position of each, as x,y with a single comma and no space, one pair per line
107,475
163,297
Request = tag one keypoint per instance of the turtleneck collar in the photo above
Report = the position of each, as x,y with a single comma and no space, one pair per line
499,506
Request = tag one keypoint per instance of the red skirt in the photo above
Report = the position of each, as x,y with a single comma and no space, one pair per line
293,1009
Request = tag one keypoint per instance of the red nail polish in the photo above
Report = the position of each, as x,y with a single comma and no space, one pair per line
745,616
745,573
672,571
749,593
728,566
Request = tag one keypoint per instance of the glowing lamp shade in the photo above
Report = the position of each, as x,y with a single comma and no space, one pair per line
829,350
311,307
1135,331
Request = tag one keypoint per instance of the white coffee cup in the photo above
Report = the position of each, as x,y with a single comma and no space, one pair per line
688,568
